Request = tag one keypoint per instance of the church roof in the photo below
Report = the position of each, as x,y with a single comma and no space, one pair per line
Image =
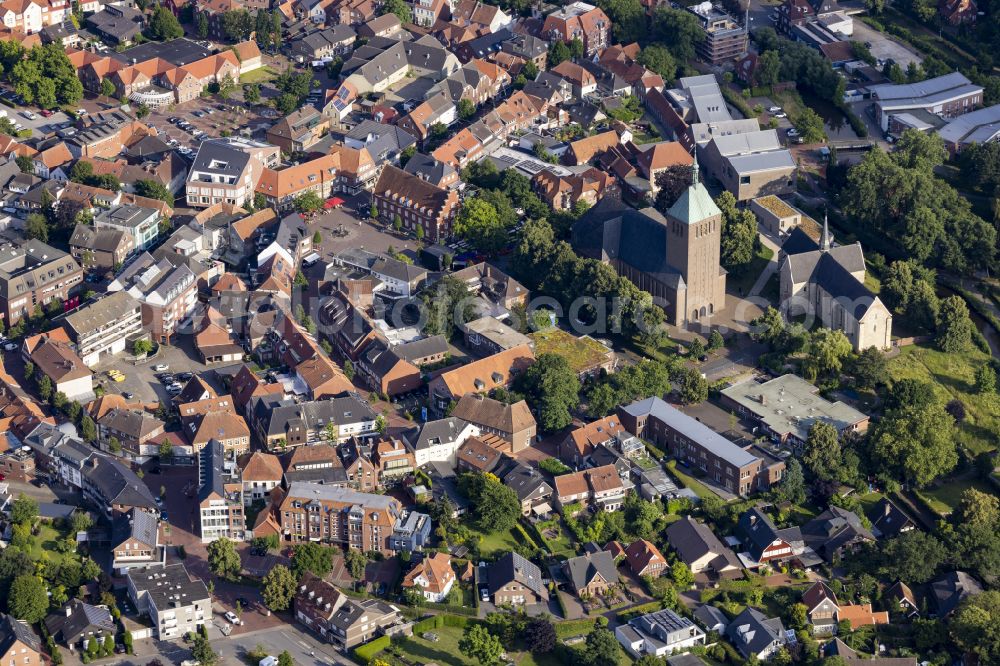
694,205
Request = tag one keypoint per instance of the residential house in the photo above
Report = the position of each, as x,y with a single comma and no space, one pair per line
516,581
592,574
382,370
214,419
763,541
281,423
533,491
136,542
280,187
902,596
418,203
512,422
821,608
112,487
74,624
318,463
383,142
100,248
228,171
493,285
176,604
345,623
731,466
18,642
142,224
439,440
659,633
432,577
575,450
412,533
33,275
838,648
582,21
861,615
565,192
260,473
582,81
888,520
487,336
480,376
699,548
835,531
601,487
69,375
753,633
356,520
480,453
645,559
299,130
336,40
137,432
951,589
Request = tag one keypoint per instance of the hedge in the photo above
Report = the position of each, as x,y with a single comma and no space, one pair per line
641,609
450,608
528,541
365,653
539,537
432,622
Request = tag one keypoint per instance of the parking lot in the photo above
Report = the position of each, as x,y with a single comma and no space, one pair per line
882,46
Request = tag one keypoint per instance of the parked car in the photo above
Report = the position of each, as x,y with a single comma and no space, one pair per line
781,114
793,132
774,109
232,618
10,346
46,113
160,367
127,395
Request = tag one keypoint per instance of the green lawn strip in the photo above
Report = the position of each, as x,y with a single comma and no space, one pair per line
699,488
741,281
952,376
260,75
946,497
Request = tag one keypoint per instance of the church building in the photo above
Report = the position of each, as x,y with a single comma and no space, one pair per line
674,257
827,281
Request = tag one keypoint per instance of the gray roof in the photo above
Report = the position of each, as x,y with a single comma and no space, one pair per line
710,617
512,567
219,158
369,611
117,483
126,215
693,429
211,471
834,529
317,491
101,313
122,23
81,620
582,570
693,540
31,266
147,276
380,139
526,481
752,632
435,432
315,415
142,526
950,589
399,270
978,126
665,628
12,630
924,93
432,170
435,344
169,586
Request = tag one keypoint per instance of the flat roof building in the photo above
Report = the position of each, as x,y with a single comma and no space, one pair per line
947,96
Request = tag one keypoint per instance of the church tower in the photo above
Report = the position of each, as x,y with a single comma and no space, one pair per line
694,236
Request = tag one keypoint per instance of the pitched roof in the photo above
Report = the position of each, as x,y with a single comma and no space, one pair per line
435,569
260,466
487,373
514,568
641,553
12,630
588,148
494,414
862,615
694,540
583,569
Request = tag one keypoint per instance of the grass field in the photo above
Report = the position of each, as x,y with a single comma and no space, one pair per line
945,498
260,75
581,353
952,377
699,488
44,546
445,651
741,282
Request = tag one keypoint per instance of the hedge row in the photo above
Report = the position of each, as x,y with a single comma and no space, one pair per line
538,536
451,608
365,653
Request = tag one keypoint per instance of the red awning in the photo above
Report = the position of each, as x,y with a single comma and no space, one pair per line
333,202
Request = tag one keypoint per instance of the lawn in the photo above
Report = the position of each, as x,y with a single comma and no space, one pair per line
582,353
562,544
945,498
740,282
952,377
44,546
699,488
260,75
445,651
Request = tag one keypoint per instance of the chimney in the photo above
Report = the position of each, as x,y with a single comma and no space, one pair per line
69,610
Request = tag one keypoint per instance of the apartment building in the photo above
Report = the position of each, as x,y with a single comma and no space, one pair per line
57,360
101,248
582,21
220,495
175,603
280,423
227,171
105,328
416,203
281,187
167,293
142,224
260,473
139,433
439,441
112,487
32,275
135,542
344,622
725,39
739,470
513,423
480,376
30,16
361,521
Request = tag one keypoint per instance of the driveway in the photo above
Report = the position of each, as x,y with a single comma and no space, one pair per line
882,46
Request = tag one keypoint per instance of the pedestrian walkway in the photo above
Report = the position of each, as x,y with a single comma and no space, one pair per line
772,265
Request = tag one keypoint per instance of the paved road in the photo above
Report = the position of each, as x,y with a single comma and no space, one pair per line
305,649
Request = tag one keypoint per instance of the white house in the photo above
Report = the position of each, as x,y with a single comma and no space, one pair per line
438,441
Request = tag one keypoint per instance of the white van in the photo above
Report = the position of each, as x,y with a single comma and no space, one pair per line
268,661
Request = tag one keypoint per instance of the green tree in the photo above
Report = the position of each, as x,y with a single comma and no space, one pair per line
201,24
479,223
739,233
251,93
163,25
400,9
308,202
237,24
202,650
793,485
36,227
628,18
601,648
913,556
976,626
279,588
954,327
141,347
810,125
285,659
822,452
499,508
692,387
165,450
870,369
828,348
24,510
44,387
153,190
404,156
349,369
25,164
658,58
679,30
114,445
479,644
355,561
986,379
27,599
768,70
108,88
551,386
540,636
681,575
558,52
466,109
311,557
88,430
915,445
223,560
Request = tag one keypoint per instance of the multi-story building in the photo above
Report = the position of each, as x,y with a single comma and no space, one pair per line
18,643
18,465
946,96
725,39
659,634
299,130
135,542
361,521
31,276
57,360
105,328
111,486
346,623
142,224
511,422
260,473
318,463
739,470
279,422
582,21
432,577
227,171
439,441
601,487
100,248
30,16
167,293
281,187
137,432
416,203
215,419
220,496
412,533
176,604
